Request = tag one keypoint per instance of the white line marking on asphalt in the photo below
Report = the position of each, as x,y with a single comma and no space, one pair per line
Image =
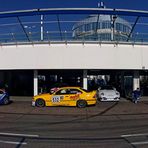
11,142
20,135
134,135
140,143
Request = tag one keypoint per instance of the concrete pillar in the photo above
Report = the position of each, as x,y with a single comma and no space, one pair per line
136,80
85,79
35,82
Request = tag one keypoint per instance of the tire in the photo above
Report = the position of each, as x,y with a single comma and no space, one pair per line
6,101
81,103
40,103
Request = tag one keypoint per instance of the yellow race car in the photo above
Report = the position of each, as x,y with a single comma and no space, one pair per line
66,96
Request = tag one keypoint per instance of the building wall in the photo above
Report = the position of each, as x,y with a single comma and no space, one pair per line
74,56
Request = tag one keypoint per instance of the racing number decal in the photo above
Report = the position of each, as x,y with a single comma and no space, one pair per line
56,99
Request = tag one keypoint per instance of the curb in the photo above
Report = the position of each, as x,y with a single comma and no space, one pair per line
29,98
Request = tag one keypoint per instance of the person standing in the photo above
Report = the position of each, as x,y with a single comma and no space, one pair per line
136,95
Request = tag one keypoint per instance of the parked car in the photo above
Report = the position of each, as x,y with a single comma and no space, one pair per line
108,93
66,96
4,97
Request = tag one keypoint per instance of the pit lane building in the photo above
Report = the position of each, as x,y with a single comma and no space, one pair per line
98,43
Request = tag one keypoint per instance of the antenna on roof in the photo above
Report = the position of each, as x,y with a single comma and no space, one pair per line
101,5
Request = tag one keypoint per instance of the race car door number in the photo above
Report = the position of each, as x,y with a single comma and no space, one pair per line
56,99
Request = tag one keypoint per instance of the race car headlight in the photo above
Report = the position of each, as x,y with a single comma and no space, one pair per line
102,94
117,93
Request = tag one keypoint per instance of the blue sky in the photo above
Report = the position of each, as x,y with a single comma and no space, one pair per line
8,5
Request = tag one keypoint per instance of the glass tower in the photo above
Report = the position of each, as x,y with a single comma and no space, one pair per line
102,28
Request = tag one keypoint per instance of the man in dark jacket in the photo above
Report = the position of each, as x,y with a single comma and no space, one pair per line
136,95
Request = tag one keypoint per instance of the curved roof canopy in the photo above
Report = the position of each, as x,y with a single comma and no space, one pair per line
59,32
49,11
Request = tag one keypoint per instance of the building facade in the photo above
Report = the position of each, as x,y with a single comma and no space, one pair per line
93,53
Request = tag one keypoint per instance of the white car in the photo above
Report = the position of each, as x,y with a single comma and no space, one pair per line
108,93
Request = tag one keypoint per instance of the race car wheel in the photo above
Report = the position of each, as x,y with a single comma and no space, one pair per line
6,101
81,103
40,103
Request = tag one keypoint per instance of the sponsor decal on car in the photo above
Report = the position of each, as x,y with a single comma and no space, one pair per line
74,97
